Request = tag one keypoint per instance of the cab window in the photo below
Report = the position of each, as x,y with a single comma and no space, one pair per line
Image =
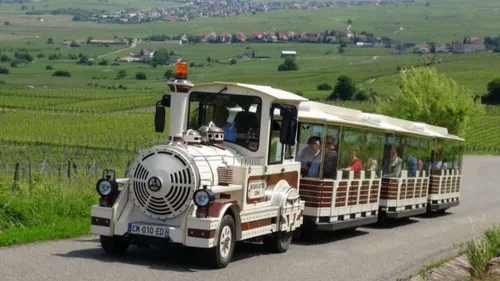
239,116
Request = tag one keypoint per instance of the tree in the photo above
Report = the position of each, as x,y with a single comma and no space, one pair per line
160,57
48,67
7,23
121,74
432,98
61,73
233,61
4,70
40,56
493,96
4,58
344,89
341,49
288,65
50,40
140,76
169,74
349,21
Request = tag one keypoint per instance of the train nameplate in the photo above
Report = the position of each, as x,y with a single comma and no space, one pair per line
256,189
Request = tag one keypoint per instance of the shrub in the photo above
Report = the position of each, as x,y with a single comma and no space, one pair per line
61,73
288,65
49,67
233,61
121,74
169,74
361,95
4,70
103,62
344,89
481,250
40,56
14,63
4,58
140,76
324,87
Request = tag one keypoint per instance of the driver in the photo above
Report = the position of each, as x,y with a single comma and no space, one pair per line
221,122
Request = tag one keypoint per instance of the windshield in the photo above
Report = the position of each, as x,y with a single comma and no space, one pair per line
238,116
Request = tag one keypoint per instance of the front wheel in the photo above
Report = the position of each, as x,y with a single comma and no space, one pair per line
221,254
278,242
114,245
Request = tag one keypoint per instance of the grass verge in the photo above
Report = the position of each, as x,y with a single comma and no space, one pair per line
482,249
45,212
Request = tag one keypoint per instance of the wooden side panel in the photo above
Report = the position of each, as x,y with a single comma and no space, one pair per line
353,193
434,185
389,189
410,188
341,195
374,191
402,192
363,194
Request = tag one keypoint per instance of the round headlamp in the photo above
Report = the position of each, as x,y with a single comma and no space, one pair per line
104,187
203,197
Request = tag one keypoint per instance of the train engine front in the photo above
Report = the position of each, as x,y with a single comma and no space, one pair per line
198,190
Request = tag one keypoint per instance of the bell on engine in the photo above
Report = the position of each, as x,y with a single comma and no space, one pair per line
212,134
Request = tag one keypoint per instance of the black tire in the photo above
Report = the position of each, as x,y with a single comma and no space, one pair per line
309,232
220,255
114,245
278,242
442,211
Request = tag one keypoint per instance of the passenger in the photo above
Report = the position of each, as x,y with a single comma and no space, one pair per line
395,166
412,166
310,157
356,163
221,121
331,158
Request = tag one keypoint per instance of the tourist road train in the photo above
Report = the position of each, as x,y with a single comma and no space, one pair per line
253,163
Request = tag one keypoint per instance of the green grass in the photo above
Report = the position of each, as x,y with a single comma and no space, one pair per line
44,211
481,250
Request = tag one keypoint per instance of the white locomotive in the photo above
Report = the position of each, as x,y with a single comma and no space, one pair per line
227,173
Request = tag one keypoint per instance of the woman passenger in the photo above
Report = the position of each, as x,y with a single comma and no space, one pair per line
356,163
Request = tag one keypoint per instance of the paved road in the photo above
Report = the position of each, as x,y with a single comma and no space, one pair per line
369,254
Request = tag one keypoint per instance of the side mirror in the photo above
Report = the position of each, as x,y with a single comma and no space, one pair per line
160,117
288,124
165,101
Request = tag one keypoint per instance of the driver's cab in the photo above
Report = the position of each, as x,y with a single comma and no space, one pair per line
246,115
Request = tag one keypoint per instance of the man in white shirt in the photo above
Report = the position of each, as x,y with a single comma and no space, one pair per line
310,157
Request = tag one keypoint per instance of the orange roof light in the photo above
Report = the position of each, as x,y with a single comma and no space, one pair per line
181,70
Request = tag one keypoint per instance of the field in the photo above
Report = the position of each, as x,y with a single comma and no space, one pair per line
58,133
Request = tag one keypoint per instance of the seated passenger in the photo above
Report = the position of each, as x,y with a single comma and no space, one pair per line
356,164
412,166
330,162
310,158
395,164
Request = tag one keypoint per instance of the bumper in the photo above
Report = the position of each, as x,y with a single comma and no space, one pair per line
197,232
333,226
442,206
405,213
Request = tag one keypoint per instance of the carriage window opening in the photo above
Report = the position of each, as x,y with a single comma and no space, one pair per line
330,162
238,116
275,146
351,150
438,158
458,154
393,154
372,151
425,155
309,149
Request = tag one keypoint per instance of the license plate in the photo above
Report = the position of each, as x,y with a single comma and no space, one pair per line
148,230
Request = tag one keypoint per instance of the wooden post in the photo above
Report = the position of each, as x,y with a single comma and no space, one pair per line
16,178
68,173
29,175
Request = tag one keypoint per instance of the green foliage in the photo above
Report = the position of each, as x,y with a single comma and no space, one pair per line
481,250
433,98
493,96
7,23
4,58
50,40
49,67
169,74
288,65
161,57
61,73
140,76
324,87
4,70
233,61
344,89
121,74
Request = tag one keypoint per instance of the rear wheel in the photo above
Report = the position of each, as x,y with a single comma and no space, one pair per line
278,242
221,254
114,245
